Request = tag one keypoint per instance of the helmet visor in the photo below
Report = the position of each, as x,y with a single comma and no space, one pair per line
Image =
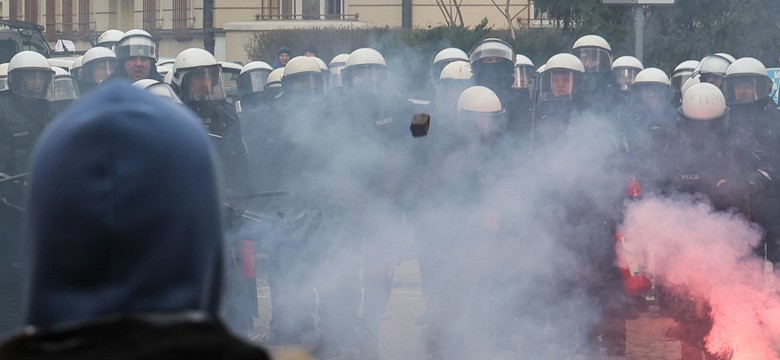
366,77
625,77
136,46
523,76
202,84
650,95
558,84
252,82
594,59
65,88
308,84
97,70
679,78
487,125
746,89
32,83
492,49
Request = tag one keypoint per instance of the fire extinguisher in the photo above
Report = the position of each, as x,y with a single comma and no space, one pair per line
630,260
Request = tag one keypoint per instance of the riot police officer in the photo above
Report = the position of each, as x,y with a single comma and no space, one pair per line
444,57
708,158
273,85
136,54
97,66
24,113
524,75
109,38
493,63
596,56
560,97
679,76
251,84
66,90
198,78
712,69
625,69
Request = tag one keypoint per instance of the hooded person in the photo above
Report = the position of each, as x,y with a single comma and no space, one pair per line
125,236
282,57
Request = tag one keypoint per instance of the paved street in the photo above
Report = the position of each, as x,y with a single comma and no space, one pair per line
401,335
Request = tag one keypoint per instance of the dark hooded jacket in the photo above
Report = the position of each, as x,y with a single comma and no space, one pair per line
125,236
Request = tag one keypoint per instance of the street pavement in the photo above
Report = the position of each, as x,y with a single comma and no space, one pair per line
401,333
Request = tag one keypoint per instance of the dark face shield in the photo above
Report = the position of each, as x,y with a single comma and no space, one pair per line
94,72
679,78
712,78
651,96
252,81
594,59
202,84
372,79
625,77
32,83
305,85
745,89
65,88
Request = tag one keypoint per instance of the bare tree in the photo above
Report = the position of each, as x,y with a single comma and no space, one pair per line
450,9
505,13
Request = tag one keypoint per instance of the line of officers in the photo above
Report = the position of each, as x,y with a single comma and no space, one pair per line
710,129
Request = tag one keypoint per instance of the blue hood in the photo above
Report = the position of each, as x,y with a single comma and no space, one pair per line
124,212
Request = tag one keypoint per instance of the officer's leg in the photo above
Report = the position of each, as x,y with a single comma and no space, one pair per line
377,284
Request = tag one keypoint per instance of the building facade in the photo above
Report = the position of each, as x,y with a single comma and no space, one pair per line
178,24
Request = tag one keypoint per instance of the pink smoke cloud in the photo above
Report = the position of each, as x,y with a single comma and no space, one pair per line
708,255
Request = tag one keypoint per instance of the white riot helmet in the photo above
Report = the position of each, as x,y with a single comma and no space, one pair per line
480,108
594,52
562,78
97,65
625,69
273,86
491,50
109,38
75,69
336,65
325,71
158,88
168,79
682,73
651,89
726,56
365,70
524,72
445,57
703,102
30,75
198,76
302,77
454,78
712,69
252,78
746,82
137,43
3,76
163,70
65,88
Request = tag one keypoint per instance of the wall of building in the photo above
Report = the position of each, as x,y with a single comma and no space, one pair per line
234,20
